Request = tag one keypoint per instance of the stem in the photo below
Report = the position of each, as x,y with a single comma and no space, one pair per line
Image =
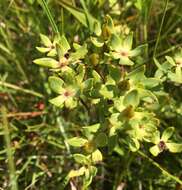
7,140
145,34
165,172
25,114
160,29
8,85
50,17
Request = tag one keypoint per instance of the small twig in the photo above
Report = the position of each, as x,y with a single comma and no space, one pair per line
26,114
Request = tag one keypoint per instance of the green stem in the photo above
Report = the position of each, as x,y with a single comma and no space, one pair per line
145,33
7,140
50,17
160,168
160,29
12,86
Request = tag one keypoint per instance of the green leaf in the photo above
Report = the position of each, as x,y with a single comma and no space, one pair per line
70,103
88,179
167,133
131,98
150,82
88,84
43,49
125,61
178,73
79,54
77,141
76,45
143,93
97,28
174,147
128,41
109,22
115,73
76,173
170,60
69,77
93,170
134,145
45,40
77,13
64,44
92,128
97,42
47,62
158,64
138,50
155,137
154,150
107,91
96,76
139,4
56,84
101,140
137,74
115,122
81,159
115,42
58,101
52,53
119,150
80,73
97,156
177,76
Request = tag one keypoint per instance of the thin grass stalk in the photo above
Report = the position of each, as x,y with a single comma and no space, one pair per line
27,91
9,152
160,29
50,17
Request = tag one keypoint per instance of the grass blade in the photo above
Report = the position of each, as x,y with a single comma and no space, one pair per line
49,15
7,140
160,29
77,13
8,85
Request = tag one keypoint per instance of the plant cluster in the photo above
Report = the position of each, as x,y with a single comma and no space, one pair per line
105,77
90,94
